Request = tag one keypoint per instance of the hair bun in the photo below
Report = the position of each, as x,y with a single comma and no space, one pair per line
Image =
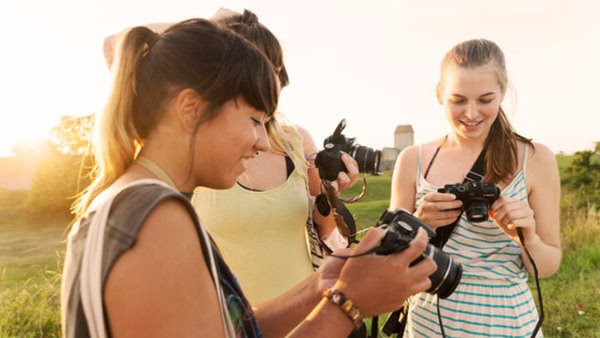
249,18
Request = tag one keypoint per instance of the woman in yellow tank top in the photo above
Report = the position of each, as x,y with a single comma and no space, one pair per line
260,223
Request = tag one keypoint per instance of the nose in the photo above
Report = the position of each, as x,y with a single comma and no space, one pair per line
262,140
471,111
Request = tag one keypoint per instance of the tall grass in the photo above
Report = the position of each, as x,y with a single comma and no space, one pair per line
32,309
572,296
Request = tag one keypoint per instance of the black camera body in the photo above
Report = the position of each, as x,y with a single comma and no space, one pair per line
402,228
476,197
329,160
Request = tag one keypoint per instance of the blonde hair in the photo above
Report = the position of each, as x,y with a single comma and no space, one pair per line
286,140
115,141
501,164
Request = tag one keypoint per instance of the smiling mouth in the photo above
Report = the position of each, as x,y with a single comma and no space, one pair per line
470,124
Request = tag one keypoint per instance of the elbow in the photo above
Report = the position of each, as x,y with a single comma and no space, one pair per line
553,266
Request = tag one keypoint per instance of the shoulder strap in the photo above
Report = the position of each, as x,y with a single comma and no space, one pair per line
91,267
477,172
437,150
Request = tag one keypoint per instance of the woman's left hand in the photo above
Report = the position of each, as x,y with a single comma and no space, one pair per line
511,214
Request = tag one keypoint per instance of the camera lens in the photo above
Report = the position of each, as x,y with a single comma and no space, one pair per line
447,276
477,211
367,159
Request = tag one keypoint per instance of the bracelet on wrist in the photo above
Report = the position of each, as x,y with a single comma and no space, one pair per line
346,305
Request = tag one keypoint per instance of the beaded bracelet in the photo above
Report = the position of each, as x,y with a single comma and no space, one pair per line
346,305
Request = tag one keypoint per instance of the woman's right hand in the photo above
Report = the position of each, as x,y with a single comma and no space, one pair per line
377,283
438,209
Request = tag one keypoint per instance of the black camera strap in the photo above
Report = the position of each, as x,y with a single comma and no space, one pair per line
474,175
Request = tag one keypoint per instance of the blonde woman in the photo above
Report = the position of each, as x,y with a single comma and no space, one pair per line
492,298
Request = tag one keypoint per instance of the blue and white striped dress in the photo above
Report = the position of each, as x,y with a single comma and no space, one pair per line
492,299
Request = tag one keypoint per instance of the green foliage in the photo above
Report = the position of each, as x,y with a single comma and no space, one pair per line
60,173
582,178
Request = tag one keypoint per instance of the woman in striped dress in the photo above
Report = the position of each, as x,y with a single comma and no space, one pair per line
492,299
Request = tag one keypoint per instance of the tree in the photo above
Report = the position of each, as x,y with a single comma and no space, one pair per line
60,173
73,134
584,177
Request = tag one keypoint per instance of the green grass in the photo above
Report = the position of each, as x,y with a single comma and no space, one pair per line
31,252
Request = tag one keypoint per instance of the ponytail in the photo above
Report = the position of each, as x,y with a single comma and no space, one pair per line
501,156
116,140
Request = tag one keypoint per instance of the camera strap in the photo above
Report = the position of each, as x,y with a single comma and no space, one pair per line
476,174
396,322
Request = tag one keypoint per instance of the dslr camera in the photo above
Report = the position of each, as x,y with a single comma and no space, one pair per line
476,197
402,228
329,160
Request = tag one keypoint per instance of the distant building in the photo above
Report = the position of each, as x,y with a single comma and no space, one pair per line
16,173
404,136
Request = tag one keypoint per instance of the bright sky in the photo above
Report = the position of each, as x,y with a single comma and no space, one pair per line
375,65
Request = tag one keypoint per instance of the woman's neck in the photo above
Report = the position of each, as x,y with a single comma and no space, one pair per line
171,164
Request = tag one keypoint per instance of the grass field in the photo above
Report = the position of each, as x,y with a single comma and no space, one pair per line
31,252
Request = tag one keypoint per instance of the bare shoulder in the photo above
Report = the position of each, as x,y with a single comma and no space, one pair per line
541,156
304,133
170,230
406,164
308,143
542,167
167,253
409,154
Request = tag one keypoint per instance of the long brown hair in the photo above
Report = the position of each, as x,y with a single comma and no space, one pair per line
501,142
151,69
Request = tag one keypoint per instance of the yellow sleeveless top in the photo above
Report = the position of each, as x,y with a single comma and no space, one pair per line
261,234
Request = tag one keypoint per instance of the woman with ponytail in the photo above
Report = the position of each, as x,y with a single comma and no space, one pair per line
270,210
492,297
188,108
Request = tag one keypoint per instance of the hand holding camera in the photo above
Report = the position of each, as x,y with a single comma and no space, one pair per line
377,283
402,228
477,197
329,160
438,209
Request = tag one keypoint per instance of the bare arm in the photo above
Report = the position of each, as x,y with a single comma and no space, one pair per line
359,280
539,217
404,180
161,287
364,274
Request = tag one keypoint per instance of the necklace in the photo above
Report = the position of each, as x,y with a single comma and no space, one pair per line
155,169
